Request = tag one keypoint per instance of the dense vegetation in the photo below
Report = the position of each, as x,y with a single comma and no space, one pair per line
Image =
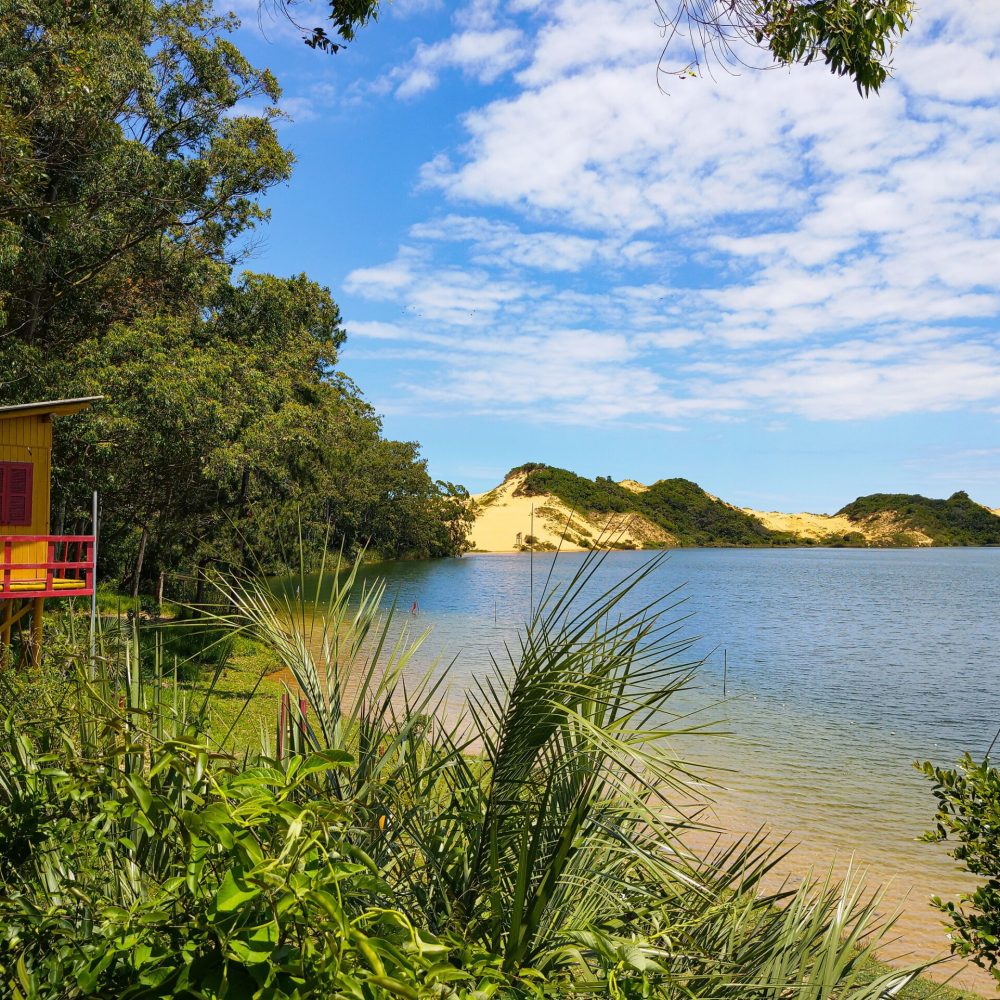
380,846
968,816
135,145
678,506
955,521
694,517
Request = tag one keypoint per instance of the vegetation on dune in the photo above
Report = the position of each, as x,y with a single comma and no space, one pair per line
678,506
687,511
693,517
381,845
136,144
955,521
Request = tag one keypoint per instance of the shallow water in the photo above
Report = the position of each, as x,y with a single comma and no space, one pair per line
843,667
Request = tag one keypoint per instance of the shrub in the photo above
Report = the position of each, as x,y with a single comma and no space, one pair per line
968,814
149,868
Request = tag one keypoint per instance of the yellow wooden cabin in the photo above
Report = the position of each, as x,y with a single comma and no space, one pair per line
34,564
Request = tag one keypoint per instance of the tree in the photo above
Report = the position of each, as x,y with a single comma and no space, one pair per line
855,38
223,430
129,186
968,814
125,175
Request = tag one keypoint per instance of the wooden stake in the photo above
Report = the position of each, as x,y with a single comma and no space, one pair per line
36,631
8,612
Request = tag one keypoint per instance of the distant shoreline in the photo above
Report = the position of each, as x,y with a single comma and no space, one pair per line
748,548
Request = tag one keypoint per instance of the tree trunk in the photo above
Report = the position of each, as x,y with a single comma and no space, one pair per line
159,591
199,593
137,571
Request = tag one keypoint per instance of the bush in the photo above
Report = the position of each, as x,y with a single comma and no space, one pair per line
148,868
968,814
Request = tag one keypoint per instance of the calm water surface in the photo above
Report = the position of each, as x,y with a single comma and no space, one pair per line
844,666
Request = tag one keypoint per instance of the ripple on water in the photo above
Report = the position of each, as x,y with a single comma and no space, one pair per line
844,667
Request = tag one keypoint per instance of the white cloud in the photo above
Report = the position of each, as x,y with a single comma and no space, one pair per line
765,244
481,55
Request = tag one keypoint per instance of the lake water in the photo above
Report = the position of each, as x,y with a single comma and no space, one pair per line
844,667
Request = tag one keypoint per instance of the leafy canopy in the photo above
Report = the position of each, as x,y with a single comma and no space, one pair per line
855,38
136,143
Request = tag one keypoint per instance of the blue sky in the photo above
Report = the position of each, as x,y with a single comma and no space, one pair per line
760,282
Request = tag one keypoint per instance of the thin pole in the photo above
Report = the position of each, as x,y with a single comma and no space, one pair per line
93,596
531,567
725,671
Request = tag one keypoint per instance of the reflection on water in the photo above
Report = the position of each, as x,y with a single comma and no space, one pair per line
844,666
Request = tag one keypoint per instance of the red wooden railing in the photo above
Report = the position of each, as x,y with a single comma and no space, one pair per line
67,570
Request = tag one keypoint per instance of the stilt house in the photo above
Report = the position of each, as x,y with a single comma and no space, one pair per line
34,564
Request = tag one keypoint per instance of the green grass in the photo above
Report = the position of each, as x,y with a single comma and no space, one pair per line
110,601
244,702
921,989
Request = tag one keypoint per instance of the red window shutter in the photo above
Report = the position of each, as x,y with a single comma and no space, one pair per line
15,493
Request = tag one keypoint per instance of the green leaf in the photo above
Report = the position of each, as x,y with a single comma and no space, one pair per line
234,892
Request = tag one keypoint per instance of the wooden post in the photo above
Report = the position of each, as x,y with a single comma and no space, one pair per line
36,631
8,612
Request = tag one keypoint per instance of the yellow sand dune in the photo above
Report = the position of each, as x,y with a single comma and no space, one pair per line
506,520
879,529
807,525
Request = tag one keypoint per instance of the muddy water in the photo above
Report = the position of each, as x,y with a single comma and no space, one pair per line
842,667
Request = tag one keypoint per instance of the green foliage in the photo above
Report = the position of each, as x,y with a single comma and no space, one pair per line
347,16
695,518
158,868
677,505
126,173
129,185
955,521
542,824
968,814
854,38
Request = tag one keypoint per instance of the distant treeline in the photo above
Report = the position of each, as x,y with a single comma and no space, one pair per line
130,188
955,521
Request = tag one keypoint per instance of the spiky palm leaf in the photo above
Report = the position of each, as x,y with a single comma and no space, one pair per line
549,820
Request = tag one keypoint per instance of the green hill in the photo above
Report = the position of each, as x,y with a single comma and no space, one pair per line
678,506
955,521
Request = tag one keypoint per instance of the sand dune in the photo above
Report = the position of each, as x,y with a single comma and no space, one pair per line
505,521
807,525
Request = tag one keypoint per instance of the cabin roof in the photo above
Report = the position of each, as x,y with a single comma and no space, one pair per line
52,407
